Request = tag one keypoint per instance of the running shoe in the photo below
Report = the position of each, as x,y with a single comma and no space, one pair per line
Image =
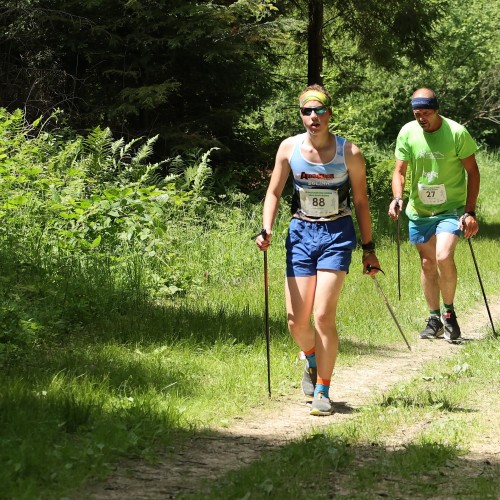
434,328
321,406
451,328
309,380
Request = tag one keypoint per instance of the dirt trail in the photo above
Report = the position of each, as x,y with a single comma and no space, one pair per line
214,454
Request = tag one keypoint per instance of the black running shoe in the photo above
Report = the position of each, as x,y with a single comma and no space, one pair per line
434,328
309,380
451,328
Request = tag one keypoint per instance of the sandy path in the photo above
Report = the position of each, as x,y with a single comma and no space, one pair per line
213,455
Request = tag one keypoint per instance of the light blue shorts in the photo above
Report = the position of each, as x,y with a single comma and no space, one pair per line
313,246
422,229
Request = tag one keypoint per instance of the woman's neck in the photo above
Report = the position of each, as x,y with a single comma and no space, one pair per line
321,141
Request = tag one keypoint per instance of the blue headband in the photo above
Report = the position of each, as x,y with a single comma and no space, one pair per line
424,103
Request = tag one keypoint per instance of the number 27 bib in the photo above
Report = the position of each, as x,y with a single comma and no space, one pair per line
432,195
319,202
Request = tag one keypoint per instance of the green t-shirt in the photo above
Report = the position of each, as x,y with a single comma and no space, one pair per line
438,182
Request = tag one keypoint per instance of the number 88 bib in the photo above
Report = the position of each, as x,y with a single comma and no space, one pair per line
319,202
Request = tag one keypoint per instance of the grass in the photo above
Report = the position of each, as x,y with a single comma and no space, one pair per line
355,459
99,376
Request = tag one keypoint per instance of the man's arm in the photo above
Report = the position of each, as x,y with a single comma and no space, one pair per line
398,185
469,224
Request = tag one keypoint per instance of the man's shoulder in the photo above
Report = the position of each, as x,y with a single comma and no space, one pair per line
410,127
453,125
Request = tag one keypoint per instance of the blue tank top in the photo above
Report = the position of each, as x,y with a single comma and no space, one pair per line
329,179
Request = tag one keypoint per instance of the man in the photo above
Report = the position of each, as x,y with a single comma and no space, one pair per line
321,235
444,187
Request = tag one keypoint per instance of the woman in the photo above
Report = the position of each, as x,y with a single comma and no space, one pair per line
321,236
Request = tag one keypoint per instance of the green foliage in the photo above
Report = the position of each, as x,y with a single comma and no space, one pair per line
183,69
96,336
95,212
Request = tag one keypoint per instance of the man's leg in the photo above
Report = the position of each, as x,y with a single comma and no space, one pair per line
445,257
429,279
429,274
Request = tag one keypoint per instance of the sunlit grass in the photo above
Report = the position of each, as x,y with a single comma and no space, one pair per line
436,411
92,372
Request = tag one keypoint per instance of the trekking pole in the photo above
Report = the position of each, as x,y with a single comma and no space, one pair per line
266,315
482,288
399,251
368,269
268,340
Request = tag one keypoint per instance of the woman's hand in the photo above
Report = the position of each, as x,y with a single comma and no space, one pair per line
263,239
371,265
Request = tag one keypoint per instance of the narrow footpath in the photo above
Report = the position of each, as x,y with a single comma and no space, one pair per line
213,454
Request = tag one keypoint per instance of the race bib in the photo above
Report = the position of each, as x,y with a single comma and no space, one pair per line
319,202
432,195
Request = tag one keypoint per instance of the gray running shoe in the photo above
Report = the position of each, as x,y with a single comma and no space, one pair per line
309,380
321,406
434,328
451,328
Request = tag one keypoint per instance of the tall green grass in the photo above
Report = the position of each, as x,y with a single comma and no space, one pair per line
101,359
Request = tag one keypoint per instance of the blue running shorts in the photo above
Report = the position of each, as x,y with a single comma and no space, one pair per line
422,229
319,245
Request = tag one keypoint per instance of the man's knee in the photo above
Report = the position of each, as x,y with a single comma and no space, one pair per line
445,259
429,265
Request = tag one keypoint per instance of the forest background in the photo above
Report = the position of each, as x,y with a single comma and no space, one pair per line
132,136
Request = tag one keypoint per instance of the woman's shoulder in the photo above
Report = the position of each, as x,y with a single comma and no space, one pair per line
290,142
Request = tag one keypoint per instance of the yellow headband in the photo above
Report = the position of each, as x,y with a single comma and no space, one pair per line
315,95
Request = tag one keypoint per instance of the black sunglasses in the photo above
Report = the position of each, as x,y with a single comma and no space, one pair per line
320,110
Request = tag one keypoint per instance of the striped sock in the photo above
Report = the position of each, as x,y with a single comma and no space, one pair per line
449,307
322,385
435,312
311,357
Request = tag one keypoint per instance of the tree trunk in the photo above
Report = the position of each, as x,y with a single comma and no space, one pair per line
315,42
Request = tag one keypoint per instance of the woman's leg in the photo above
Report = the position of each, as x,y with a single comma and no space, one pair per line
328,287
299,305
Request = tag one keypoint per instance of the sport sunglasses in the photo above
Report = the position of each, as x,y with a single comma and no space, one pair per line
320,110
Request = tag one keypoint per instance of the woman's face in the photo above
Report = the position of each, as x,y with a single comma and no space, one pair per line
315,116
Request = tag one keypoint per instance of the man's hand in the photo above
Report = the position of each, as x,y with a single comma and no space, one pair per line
395,207
468,224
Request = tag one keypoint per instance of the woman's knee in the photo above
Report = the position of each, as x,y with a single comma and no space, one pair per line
324,319
298,324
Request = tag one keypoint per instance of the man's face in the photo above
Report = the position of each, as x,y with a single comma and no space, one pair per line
428,119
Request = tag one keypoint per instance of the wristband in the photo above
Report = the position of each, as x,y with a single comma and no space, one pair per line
471,213
369,246
262,232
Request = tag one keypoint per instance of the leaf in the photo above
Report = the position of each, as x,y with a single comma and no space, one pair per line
96,242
